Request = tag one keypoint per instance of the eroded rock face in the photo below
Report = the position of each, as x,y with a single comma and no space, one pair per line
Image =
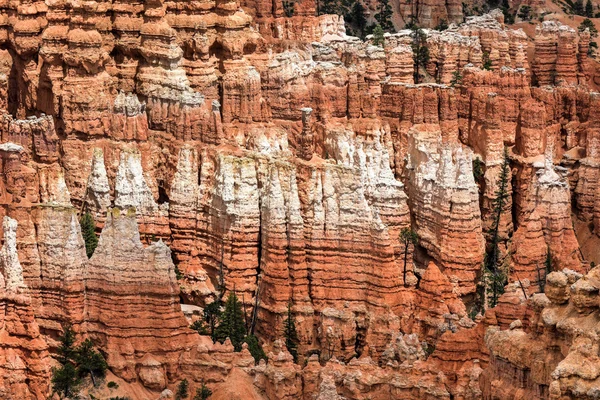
281,159
24,357
120,279
554,356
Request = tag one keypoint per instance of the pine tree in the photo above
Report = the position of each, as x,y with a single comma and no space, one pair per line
356,18
255,348
384,16
477,169
212,314
65,378
288,8
496,278
589,9
199,326
525,13
407,237
182,390
487,62
378,38
588,24
89,361
419,48
66,349
327,7
289,331
88,230
232,323
203,392
578,7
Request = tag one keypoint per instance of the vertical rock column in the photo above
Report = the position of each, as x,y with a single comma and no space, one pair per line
306,141
24,359
132,304
444,200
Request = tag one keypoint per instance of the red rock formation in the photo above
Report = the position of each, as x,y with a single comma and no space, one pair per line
117,287
554,357
281,159
24,357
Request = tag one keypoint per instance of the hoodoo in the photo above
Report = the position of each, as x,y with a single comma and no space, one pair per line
299,199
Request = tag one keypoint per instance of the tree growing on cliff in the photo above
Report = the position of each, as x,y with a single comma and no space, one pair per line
588,24
288,8
477,169
290,333
255,348
419,48
456,78
378,38
384,16
65,379
231,323
525,13
199,326
203,392
88,231
183,390
487,63
212,314
495,276
589,9
356,23
578,7
407,237
89,361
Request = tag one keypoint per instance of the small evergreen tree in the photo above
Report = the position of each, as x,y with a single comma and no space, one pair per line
456,78
477,169
88,231
203,392
255,348
496,278
200,326
509,18
288,8
384,16
442,26
578,7
182,390
407,237
589,9
327,7
178,274
89,361
65,378
289,331
525,13
588,24
419,48
232,323
212,314
356,18
66,350
487,63
378,38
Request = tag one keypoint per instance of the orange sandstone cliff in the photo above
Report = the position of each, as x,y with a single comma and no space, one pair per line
225,147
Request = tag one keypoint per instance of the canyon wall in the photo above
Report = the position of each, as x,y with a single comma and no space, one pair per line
280,159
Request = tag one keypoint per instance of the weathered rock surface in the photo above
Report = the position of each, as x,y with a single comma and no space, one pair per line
279,158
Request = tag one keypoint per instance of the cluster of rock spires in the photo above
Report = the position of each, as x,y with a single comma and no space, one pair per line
280,158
